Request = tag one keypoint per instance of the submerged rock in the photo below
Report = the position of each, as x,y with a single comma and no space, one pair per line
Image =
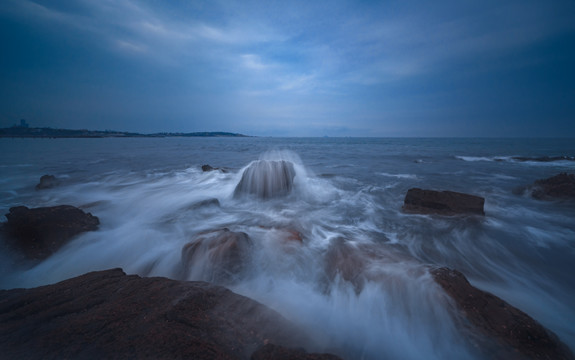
217,256
501,321
39,232
109,315
442,202
267,179
47,182
204,203
561,186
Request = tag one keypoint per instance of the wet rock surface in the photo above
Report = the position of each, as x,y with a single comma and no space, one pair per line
561,186
266,179
519,335
208,168
421,201
218,256
39,232
47,182
110,315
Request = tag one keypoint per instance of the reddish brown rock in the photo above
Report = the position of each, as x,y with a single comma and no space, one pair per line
560,186
109,315
442,202
218,255
41,231
499,320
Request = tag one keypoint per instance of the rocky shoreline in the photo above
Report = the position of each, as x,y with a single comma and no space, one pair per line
111,315
108,314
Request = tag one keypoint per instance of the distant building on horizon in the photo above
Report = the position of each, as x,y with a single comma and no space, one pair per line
23,124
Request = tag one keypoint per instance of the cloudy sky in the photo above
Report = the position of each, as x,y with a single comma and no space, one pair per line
291,68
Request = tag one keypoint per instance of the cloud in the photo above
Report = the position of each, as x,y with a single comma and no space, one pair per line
370,60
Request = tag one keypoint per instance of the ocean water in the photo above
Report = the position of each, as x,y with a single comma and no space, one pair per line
346,199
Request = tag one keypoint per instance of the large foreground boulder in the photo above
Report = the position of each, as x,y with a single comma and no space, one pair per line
442,202
39,232
500,321
109,315
560,186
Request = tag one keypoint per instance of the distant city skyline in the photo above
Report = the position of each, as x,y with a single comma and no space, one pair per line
325,68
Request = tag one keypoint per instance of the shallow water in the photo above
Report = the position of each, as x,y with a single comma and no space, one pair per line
346,198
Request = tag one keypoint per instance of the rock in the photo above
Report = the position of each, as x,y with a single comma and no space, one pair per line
47,182
204,203
266,179
501,321
442,202
217,256
110,315
207,168
42,231
275,352
544,158
348,261
560,186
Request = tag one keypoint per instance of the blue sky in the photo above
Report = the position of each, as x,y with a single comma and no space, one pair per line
291,68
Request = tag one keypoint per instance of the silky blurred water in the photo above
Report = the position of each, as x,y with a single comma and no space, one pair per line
345,191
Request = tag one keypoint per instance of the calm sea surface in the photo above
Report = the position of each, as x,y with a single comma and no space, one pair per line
346,191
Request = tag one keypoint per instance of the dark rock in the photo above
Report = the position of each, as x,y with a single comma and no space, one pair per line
276,352
204,203
501,321
217,256
42,231
47,182
109,315
560,186
266,179
442,202
207,168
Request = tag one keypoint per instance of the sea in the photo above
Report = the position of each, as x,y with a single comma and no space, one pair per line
152,198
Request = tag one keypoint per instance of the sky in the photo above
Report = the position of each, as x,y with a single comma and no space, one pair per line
495,68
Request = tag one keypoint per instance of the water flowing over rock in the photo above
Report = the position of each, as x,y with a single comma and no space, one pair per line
47,182
110,315
267,179
442,202
501,321
561,186
218,256
42,231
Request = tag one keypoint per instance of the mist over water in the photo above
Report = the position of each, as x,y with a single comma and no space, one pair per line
356,274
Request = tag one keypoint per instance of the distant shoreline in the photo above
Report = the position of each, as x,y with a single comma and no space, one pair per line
28,132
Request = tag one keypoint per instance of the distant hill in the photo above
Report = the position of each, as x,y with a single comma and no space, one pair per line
28,132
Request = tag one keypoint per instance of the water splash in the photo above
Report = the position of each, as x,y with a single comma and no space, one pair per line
267,179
